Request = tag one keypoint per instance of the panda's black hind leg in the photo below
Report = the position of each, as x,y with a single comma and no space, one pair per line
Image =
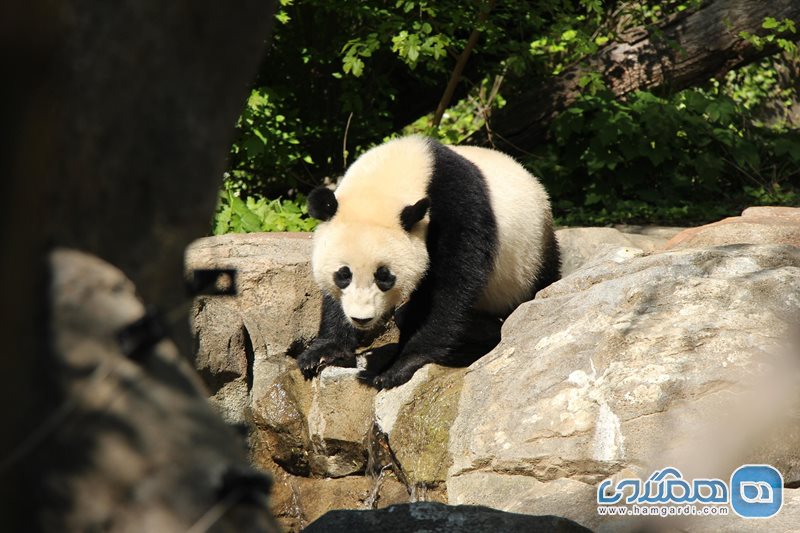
335,344
397,374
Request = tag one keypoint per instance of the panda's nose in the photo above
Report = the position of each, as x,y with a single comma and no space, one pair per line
360,321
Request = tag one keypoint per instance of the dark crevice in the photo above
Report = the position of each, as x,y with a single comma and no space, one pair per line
250,356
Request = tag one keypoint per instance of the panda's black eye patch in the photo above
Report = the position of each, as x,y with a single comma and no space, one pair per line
384,278
342,277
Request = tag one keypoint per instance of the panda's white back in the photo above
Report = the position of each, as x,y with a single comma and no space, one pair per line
522,210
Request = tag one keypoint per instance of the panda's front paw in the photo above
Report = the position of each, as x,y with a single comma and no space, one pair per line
323,353
310,362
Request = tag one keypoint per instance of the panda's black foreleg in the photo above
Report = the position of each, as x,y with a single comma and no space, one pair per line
434,322
335,344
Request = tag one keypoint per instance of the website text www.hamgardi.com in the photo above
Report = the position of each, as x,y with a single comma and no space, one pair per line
662,510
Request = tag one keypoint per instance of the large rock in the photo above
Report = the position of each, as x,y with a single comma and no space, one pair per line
438,518
757,225
242,341
339,421
416,419
148,453
298,501
623,368
319,427
637,360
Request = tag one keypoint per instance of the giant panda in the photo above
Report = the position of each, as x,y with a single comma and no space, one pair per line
444,230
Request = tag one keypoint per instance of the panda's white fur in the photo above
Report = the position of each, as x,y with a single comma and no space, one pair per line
366,232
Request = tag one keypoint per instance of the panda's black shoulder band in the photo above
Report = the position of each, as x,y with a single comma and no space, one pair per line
322,203
412,214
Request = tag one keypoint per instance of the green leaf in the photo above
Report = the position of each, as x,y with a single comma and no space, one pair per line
592,199
769,23
568,35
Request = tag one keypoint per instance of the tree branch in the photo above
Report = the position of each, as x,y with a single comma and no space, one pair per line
684,52
455,76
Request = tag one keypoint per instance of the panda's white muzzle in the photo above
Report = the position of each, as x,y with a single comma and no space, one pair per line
363,306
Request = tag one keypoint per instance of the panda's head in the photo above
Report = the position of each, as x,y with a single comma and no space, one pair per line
370,268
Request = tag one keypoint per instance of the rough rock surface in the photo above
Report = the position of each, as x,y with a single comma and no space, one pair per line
756,225
638,359
580,245
241,341
631,366
438,518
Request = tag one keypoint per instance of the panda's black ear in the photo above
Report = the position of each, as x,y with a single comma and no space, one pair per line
322,203
412,214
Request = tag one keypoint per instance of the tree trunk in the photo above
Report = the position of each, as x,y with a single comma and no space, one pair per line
117,121
687,50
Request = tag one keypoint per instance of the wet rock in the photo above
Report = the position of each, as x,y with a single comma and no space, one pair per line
280,425
339,420
316,427
297,501
417,418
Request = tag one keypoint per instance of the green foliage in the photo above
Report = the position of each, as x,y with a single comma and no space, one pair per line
235,215
342,76
464,118
352,73
687,158
269,139
777,33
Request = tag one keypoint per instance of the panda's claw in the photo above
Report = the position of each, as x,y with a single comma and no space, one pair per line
367,378
321,355
310,363
311,370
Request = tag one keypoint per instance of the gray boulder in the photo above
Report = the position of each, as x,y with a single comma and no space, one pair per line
624,368
242,341
756,225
